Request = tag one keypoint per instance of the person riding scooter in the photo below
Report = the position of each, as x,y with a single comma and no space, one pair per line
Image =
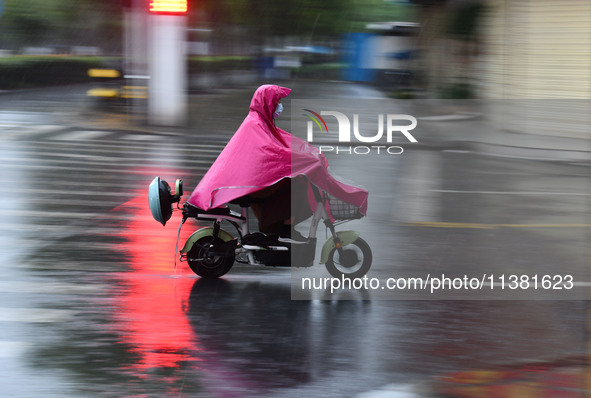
271,169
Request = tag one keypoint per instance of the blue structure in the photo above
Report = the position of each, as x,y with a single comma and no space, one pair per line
358,55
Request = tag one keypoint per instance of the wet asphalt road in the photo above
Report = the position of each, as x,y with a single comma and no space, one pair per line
92,304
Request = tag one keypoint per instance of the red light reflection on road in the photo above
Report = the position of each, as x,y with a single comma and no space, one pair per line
151,315
151,308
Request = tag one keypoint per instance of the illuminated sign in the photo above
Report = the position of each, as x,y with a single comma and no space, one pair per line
168,6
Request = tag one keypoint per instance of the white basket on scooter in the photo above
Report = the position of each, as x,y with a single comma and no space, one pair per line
341,210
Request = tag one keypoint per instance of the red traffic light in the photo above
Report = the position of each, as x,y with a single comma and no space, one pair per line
168,6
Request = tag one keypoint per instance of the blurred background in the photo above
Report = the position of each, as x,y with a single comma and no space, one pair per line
444,49
99,97
453,49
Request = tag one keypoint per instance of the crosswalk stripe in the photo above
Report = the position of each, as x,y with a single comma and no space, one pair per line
48,214
80,135
87,168
141,137
118,146
107,162
42,315
48,287
16,130
95,153
13,349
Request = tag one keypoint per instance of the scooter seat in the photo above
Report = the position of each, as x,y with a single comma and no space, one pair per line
246,201
194,211
218,211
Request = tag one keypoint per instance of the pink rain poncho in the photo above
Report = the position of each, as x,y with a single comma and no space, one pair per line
260,155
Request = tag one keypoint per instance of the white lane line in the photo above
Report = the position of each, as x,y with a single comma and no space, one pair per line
21,213
49,287
141,137
91,152
392,391
119,145
112,162
34,315
13,349
450,117
512,192
39,214
420,199
54,230
116,145
130,168
74,192
81,135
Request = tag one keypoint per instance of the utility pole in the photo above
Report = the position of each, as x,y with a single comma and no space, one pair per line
135,48
167,102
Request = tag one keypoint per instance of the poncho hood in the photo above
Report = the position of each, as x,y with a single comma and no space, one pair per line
265,100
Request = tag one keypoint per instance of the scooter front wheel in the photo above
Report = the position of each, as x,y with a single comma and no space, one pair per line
207,260
353,261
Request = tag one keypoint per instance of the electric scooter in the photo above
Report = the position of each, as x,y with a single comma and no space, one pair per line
212,251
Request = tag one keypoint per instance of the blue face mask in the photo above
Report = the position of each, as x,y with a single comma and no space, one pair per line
278,110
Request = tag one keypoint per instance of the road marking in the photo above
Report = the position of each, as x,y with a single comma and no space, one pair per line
142,137
392,391
512,192
49,287
120,144
96,148
13,349
72,164
45,213
81,135
420,198
41,315
25,190
450,117
467,225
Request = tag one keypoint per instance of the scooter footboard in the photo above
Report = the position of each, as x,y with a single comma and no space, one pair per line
297,255
303,255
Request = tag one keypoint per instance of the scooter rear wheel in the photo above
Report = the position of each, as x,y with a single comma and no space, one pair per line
206,262
354,262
